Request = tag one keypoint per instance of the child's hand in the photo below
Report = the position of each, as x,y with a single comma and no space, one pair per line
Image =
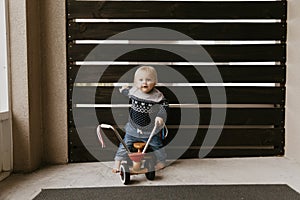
159,121
124,87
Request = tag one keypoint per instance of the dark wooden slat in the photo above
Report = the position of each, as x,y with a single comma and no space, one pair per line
225,153
237,142
230,137
81,154
197,31
234,138
219,53
229,73
176,10
234,116
234,95
230,140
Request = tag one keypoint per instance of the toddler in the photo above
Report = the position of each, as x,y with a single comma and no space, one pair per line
148,107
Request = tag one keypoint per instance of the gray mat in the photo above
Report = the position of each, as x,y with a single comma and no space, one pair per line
211,192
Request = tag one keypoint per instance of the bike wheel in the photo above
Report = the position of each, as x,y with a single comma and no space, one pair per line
150,175
124,174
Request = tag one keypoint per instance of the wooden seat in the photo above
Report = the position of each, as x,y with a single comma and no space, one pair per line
139,145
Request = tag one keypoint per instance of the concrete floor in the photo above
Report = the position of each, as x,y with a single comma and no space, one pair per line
272,170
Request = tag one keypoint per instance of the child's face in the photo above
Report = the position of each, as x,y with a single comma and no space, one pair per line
144,81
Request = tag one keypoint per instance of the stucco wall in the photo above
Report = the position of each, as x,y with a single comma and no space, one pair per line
24,73
293,82
38,80
53,46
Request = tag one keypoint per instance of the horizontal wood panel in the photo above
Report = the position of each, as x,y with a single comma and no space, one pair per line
229,137
234,95
234,116
225,153
176,10
163,53
81,154
229,73
197,31
239,142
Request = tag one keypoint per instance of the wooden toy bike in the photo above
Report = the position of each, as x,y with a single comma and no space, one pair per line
141,162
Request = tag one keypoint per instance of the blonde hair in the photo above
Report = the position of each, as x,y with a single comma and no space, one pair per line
149,69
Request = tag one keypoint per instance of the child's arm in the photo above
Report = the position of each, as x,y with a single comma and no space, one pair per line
162,113
124,90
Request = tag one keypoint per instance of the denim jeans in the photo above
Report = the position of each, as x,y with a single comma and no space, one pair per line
155,144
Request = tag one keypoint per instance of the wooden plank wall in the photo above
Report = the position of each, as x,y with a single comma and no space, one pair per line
245,39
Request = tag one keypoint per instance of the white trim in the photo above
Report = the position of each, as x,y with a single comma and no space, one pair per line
6,139
173,63
180,105
4,116
180,84
3,59
179,42
1,147
177,20
184,0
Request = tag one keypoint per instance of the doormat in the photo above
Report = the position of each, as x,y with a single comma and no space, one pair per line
206,192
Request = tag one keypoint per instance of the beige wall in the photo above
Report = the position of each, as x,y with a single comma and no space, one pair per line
20,69
53,26
293,82
38,63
